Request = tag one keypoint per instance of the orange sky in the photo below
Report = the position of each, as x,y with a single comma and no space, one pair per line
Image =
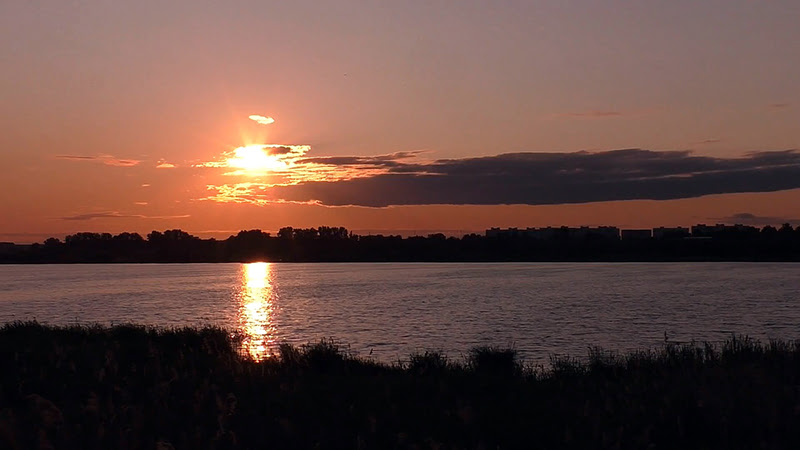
95,96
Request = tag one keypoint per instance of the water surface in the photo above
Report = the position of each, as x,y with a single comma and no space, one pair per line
390,310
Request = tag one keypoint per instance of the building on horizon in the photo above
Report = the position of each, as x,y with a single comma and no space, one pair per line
724,231
637,235
671,233
553,233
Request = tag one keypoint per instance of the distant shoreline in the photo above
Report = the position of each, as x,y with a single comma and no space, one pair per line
443,261
336,244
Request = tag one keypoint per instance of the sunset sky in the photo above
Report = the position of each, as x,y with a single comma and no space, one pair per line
416,116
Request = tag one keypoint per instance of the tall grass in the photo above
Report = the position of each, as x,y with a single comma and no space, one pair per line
134,387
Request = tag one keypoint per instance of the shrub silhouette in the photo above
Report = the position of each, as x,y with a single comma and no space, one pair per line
138,387
494,361
428,363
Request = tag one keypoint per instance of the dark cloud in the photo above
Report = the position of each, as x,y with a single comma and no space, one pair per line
121,162
746,218
388,160
99,215
79,157
279,150
105,159
553,178
708,141
779,105
117,215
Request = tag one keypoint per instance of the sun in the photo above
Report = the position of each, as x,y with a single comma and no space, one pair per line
256,159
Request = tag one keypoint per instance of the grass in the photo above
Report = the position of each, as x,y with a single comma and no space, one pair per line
137,387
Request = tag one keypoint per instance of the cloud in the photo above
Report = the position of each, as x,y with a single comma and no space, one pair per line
291,150
288,164
780,105
746,218
105,159
523,178
388,160
99,215
121,162
117,215
258,153
262,120
259,159
708,141
165,165
78,157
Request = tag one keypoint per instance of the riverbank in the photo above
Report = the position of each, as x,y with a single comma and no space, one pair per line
136,387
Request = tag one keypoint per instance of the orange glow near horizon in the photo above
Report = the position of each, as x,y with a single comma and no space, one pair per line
256,309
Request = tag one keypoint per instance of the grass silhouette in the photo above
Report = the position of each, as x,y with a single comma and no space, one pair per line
133,387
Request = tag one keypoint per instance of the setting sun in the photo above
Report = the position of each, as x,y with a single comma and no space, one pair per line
254,158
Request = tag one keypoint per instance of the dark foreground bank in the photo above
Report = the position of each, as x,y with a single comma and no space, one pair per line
134,387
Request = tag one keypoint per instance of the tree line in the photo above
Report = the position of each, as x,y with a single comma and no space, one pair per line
337,244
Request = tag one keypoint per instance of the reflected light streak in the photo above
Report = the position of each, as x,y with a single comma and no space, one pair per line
256,310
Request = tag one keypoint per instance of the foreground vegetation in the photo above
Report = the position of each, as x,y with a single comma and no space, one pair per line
134,387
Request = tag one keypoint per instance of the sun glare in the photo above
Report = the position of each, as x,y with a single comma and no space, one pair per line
255,158
256,275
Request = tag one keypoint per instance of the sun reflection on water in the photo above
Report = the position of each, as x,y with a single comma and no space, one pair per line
256,309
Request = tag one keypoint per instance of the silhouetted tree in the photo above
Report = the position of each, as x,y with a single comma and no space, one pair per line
769,231
326,243
306,234
786,229
52,243
87,238
248,245
128,237
332,232
155,236
251,236
286,233
179,235
170,236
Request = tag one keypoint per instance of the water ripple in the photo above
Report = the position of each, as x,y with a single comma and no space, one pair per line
392,310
